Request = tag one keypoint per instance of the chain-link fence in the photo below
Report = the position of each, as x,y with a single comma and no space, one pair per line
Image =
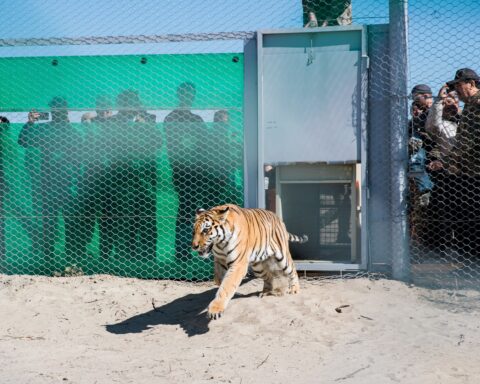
113,192
110,143
117,124
444,146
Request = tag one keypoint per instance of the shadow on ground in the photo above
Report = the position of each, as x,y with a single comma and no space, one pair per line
189,312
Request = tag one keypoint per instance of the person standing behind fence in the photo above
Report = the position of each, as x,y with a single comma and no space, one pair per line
464,166
420,182
422,102
441,125
420,143
129,223
193,164
58,143
229,152
336,12
312,20
442,122
418,152
4,126
88,205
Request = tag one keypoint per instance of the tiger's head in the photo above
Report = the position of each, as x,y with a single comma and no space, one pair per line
209,229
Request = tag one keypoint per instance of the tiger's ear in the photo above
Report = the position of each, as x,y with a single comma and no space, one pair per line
222,213
199,211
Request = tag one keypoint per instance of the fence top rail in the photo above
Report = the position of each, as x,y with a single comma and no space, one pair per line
129,39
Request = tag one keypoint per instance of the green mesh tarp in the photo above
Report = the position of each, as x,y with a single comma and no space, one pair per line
132,145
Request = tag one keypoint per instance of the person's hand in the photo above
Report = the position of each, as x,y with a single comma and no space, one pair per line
443,92
435,165
452,169
415,144
33,116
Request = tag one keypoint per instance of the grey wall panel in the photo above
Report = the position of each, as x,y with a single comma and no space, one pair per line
311,96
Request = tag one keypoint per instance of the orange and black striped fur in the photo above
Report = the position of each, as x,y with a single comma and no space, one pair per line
239,238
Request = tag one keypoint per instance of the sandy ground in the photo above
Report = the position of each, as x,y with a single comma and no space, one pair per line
103,329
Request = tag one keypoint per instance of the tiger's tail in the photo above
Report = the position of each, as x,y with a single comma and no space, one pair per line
297,239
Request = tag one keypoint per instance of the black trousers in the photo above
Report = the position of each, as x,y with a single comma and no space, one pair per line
461,211
195,189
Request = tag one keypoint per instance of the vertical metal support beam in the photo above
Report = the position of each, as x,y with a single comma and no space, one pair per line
261,142
250,123
398,35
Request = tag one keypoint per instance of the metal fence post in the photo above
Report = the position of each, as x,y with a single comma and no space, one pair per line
398,12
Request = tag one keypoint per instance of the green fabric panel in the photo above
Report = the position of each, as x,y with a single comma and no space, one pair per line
32,82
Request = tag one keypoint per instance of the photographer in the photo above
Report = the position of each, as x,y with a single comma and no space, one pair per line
441,125
52,161
462,164
442,122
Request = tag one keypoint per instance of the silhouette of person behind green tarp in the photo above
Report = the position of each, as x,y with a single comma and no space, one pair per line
87,207
128,223
54,185
194,166
4,125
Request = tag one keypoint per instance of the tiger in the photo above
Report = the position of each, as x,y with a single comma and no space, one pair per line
240,238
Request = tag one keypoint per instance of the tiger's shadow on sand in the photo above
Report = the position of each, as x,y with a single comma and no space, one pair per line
189,312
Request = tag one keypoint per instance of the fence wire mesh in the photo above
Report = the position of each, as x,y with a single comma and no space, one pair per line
114,192
117,124
443,143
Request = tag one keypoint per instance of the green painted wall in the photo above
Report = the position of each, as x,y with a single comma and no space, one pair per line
31,82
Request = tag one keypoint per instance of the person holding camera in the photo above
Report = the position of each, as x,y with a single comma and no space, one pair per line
462,164
441,126
52,161
442,121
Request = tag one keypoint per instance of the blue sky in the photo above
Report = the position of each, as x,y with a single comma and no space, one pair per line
46,18
444,36
443,33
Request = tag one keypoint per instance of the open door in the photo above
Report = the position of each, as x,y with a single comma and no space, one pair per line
312,98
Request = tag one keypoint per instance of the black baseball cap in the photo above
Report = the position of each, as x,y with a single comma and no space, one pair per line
129,99
464,74
421,88
103,103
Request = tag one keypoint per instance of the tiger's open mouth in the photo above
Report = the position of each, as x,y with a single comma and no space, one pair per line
204,252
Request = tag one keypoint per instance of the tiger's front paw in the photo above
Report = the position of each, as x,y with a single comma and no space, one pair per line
215,310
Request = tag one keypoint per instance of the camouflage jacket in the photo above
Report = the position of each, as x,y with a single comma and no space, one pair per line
464,158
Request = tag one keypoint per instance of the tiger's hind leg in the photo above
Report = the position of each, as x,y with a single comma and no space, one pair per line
291,272
274,284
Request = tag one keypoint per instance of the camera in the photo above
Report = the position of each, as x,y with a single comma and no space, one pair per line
450,87
43,116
